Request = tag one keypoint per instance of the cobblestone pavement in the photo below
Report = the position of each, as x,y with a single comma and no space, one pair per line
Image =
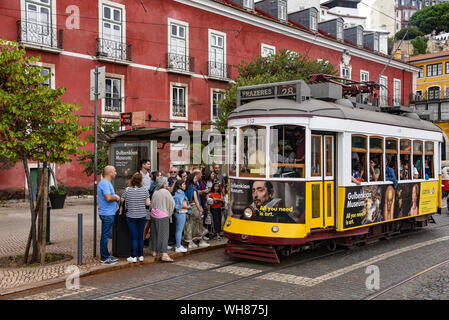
316,275
15,223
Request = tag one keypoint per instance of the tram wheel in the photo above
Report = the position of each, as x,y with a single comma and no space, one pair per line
331,245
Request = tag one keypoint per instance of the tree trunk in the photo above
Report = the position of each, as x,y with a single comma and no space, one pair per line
33,215
42,236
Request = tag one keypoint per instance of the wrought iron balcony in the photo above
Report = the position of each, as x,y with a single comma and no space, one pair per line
430,96
179,110
114,50
219,70
37,34
179,62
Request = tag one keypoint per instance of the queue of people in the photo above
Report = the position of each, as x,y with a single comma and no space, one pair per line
164,209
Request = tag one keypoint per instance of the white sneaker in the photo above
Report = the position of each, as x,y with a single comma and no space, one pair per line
192,245
141,258
203,244
181,249
169,247
131,259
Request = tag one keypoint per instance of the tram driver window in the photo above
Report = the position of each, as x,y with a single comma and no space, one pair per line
252,151
405,159
358,158
232,139
287,150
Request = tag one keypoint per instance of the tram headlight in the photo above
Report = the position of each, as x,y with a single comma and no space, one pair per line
275,229
248,213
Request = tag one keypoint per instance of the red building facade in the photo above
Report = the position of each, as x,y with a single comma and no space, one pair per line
170,58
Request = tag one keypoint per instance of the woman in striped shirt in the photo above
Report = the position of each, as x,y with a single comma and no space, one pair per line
136,198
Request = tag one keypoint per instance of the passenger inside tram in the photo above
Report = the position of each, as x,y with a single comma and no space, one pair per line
299,144
358,170
374,169
389,170
404,170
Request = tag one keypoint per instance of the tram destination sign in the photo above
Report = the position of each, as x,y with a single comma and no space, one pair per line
272,91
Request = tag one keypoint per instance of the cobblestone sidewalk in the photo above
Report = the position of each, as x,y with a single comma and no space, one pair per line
15,223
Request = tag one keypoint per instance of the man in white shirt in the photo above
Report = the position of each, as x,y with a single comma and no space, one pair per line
145,168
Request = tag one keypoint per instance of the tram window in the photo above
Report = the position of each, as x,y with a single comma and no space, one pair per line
391,150
329,156
428,160
252,151
316,156
417,159
287,148
358,158
376,149
405,165
232,152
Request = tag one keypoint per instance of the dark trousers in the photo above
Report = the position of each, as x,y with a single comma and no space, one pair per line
136,227
172,232
216,217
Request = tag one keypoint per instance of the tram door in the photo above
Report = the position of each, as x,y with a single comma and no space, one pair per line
322,185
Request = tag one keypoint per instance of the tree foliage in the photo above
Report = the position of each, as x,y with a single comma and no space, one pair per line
412,33
35,122
282,66
419,45
435,17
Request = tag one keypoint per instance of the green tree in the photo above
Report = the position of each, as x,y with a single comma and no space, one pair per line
283,66
35,123
435,17
419,45
412,33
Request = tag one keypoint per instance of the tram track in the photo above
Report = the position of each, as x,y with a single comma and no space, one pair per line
405,281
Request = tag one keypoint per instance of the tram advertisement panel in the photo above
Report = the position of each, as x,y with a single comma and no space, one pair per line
272,201
370,204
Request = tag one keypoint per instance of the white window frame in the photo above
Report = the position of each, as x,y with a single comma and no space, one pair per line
184,24
282,8
264,46
108,3
346,67
122,96
209,44
381,89
362,73
212,91
248,4
186,90
53,20
396,92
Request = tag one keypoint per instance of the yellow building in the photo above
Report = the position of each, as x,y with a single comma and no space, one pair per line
431,97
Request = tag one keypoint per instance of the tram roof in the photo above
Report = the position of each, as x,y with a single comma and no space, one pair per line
314,107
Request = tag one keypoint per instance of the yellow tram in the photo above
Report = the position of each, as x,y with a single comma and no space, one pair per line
307,167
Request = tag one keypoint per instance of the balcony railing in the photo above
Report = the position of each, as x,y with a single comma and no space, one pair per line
44,35
179,110
114,50
179,62
432,95
219,70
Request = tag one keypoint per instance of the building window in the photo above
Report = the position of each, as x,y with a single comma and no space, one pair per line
339,30
313,21
364,75
178,102
37,25
217,55
397,92
217,97
383,91
112,42
421,72
345,72
248,4
178,57
267,50
433,93
45,71
282,9
113,95
434,69
447,67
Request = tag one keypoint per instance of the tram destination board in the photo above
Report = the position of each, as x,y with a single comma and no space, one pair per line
272,91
